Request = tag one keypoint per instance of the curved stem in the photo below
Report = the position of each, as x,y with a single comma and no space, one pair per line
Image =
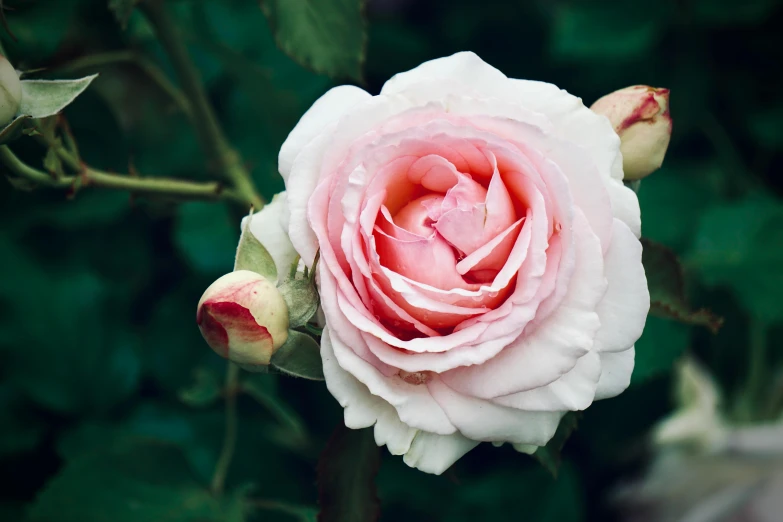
89,177
230,435
222,156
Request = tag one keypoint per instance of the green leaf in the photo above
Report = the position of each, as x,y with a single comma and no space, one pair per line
667,288
134,481
122,10
299,357
302,299
329,36
740,247
253,256
346,477
42,98
550,455
13,130
204,390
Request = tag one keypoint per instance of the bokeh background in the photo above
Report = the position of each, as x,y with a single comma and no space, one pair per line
98,342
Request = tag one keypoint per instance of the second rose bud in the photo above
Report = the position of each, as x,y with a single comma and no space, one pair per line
640,116
244,318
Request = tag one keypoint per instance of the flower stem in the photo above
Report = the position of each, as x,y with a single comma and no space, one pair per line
89,177
222,156
230,435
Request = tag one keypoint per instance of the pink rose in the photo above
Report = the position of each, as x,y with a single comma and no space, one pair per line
480,267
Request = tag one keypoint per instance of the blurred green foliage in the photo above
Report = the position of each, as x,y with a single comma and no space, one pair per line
98,292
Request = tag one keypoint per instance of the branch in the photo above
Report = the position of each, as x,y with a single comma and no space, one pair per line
230,435
89,177
222,156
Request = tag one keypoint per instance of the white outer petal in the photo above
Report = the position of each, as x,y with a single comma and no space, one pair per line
573,391
414,403
267,226
426,451
616,370
300,186
464,67
480,419
623,310
328,108
433,453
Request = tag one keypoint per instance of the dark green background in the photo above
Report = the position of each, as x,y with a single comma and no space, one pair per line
98,293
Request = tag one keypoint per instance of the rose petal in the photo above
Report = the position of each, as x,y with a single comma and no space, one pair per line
327,109
616,370
434,453
413,403
572,391
483,420
623,310
554,346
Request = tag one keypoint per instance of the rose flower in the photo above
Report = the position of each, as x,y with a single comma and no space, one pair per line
480,269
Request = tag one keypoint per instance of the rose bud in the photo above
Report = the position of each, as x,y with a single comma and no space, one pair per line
243,317
10,91
640,116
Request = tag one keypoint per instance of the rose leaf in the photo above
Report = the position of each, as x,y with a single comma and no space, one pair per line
328,36
253,256
299,357
43,98
302,299
666,282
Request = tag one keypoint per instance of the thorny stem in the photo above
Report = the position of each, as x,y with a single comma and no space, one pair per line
89,177
223,158
230,435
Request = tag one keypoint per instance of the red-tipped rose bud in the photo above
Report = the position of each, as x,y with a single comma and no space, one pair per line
640,116
243,318
10,91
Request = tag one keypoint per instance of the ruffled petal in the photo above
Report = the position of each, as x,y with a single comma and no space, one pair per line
479,419
465,68
623,310
432,453
616,371
573,391
327,109
553,347
413,403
